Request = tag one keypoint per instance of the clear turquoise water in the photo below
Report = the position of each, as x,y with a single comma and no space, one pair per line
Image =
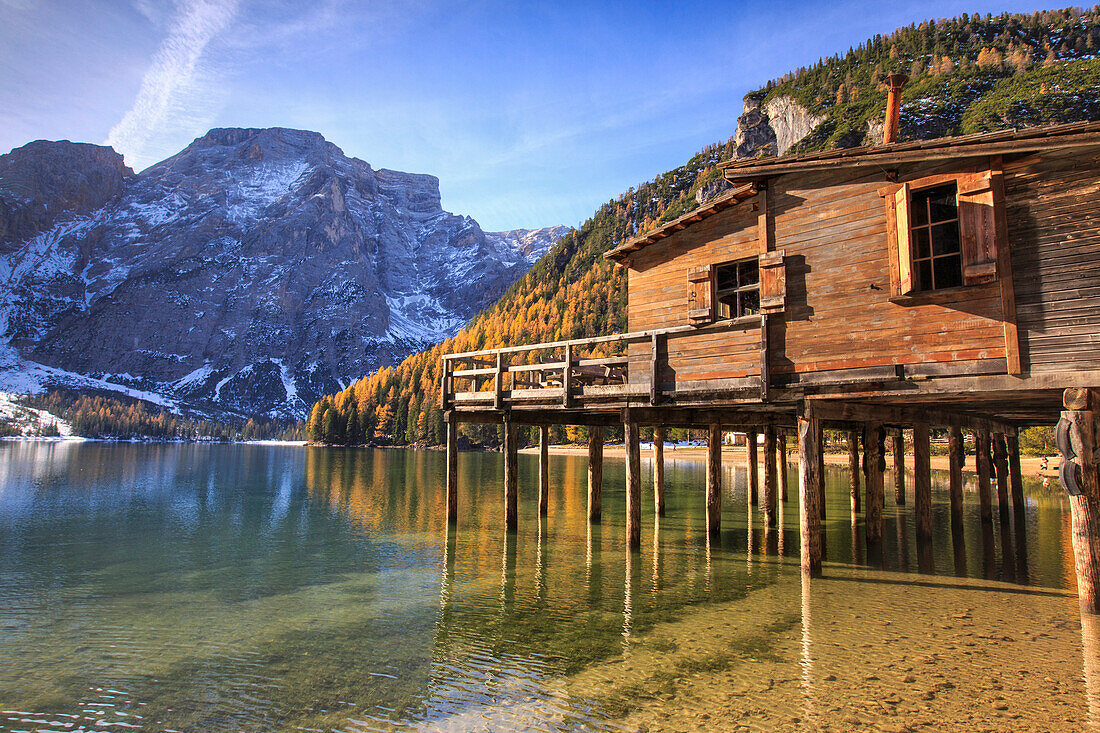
248,588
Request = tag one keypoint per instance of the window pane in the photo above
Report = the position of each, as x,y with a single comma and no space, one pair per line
749,273
750,303
726,277
943,204
921,247
924,275
948,271
945,239
919,209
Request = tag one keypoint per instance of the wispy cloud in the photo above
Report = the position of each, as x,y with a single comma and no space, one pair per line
173,101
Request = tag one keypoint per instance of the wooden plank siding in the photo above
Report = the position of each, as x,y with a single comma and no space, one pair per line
1053,207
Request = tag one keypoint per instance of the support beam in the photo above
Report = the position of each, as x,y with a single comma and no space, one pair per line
544,469
783,494
956,457
595,473
1012,443
857,412
809,479
752,467
452,470
714,478
659,470
511,475
922,480
770,477
899,466
633,485
983,461
874,462
853,469
1077,431
1000,468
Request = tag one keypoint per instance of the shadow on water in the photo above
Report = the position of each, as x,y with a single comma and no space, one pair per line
268,587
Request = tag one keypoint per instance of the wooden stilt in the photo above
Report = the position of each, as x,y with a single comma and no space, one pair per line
544,469
783,493
1081,479
874,463
714,478
982,461
922,480
809,479
633,485
899,467
659,470
595,473
770,478
956,457
452,468
821,482
1016,479
751,467
853,469
1000,468
511,477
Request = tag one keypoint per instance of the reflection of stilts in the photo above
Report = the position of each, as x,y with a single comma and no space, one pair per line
782,510
903,540
628,603
656,555
988,552
1090,648
809,708
540,575
508,573
958,543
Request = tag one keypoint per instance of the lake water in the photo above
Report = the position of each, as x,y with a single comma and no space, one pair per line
263,588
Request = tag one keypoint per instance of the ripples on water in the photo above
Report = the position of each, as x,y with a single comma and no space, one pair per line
254,588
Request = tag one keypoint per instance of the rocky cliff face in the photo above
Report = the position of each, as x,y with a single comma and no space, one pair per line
772,128
249,274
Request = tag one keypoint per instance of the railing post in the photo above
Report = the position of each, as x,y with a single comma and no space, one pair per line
567,378
446,386
498,383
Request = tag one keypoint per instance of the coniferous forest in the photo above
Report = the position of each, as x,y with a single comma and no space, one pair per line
967,74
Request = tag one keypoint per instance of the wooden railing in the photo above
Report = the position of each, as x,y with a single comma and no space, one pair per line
566,373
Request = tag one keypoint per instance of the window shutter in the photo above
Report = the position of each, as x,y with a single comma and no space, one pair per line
773,282
701,294
905,252
977,228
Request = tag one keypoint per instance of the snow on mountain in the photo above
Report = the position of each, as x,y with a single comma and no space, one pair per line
248,274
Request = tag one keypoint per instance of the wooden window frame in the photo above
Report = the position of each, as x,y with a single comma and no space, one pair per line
979,236
752,287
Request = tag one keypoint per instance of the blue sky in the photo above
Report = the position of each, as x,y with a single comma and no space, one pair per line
531,114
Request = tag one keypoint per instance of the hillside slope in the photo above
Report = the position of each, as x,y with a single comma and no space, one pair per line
968,74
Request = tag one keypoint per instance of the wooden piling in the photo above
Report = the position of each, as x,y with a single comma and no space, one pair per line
1016,479
511,477
873,459
898,446
1000,468
956,457
544,469
659,470
714,478
633,484
1079,420
853,469
922,480
982,463
452,468
770,477
783,493
752,468
809,480
595,473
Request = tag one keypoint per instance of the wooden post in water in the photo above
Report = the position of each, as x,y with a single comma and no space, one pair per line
853,469
1012,443
783,494
809,479
1000,468
751,466
770,478
714,478
922,480
595,473
544,469
659,470
1080,477
452,467
821,475
633,482
898,445
874,462
956,456
511,477
981,450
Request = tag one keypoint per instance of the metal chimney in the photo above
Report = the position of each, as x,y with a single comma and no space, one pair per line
894,83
